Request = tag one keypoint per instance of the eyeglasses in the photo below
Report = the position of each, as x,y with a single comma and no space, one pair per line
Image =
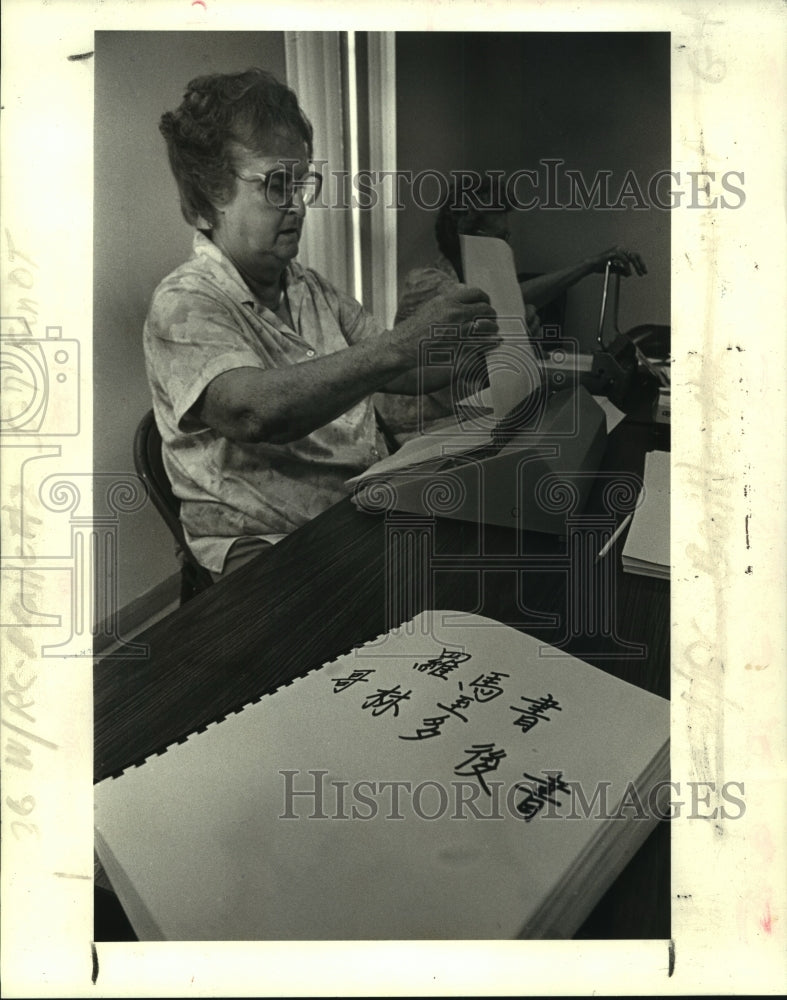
280,187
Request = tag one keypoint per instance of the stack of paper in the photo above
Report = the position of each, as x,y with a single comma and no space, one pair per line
647,548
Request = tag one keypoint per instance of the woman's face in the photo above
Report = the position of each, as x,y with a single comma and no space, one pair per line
259,237
480,223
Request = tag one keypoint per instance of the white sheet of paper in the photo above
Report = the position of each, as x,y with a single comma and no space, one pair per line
514,369
611,412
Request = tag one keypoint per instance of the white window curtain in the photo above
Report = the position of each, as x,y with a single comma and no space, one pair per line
382,158
314,71
357,255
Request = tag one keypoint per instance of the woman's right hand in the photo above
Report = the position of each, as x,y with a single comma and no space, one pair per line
465,309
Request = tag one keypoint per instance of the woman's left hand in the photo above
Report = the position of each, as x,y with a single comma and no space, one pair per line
623,260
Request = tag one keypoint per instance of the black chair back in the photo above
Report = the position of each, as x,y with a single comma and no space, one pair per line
150,467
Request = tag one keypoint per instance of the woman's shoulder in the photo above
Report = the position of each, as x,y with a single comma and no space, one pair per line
205,272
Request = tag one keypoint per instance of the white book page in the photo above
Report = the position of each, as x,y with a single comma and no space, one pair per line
199,833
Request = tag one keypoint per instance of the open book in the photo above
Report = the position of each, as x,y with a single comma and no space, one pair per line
453,779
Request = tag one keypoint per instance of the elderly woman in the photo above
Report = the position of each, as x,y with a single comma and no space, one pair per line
479,211
261,371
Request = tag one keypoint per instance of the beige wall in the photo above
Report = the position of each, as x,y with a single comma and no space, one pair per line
139,237
505,101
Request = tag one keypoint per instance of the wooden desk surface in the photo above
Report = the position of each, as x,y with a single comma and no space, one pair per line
327,588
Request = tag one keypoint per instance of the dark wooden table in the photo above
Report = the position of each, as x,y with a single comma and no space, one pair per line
333,585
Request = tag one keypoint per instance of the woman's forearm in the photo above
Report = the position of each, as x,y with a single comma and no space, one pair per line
539,291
